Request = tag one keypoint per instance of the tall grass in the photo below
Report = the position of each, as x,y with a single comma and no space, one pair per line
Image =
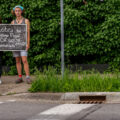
50,81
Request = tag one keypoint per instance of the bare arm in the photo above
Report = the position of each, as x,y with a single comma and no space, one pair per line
28,33
85,2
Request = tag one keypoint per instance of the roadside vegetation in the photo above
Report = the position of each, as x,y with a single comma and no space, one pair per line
82,81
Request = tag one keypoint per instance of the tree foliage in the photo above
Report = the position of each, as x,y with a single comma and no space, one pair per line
92,31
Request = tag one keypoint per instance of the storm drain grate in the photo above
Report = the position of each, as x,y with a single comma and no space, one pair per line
92,99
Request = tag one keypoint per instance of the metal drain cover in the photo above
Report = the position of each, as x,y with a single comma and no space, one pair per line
92,99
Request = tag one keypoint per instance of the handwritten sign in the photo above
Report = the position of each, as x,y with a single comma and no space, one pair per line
13,37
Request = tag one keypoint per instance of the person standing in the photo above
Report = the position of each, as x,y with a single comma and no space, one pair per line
0,59
18,11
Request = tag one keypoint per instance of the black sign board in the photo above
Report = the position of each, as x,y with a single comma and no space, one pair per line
13,37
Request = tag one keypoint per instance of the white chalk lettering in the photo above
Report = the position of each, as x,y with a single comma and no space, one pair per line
5,29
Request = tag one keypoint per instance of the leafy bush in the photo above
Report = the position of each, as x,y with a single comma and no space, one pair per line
91,31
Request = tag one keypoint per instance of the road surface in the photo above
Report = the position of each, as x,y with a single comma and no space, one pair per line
13,109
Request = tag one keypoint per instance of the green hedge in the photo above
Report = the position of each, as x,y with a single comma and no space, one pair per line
92,31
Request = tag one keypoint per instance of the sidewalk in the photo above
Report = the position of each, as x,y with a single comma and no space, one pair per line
9,89
9,86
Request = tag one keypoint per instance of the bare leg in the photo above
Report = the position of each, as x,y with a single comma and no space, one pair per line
26,65
18,65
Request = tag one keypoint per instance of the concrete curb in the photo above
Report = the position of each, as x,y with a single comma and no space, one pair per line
111,97
42,96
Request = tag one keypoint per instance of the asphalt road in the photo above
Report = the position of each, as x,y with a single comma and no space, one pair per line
21,110
11,109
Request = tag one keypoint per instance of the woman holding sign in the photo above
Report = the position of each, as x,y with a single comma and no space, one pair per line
18,11
0,59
